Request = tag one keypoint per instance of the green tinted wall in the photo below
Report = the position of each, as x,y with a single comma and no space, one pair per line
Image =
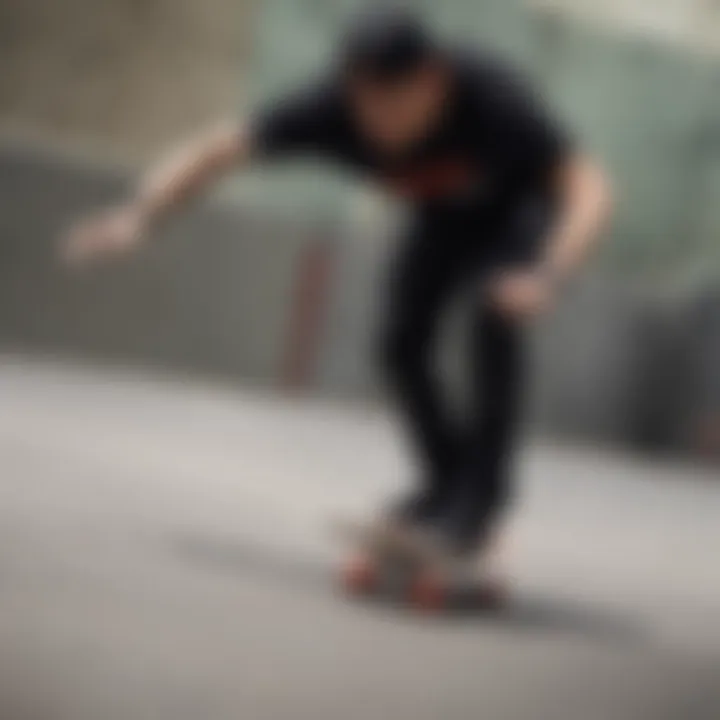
295,37
648,109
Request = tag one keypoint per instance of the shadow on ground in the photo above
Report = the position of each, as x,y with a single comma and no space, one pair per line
530,612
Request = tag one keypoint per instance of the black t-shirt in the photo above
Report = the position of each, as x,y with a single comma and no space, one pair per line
494,146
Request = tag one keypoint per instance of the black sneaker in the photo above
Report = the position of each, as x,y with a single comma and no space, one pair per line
419,508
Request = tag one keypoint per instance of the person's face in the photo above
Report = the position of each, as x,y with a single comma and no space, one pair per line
395,115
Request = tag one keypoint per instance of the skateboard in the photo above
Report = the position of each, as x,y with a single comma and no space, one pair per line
391,562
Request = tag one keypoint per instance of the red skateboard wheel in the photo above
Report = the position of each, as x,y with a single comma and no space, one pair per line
360,576
432,594
428,594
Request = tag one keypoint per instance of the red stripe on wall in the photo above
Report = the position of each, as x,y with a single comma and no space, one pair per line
308,315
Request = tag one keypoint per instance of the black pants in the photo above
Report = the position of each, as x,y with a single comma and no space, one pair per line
465,461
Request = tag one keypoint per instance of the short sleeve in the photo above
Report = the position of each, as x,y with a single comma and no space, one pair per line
532,142
304,123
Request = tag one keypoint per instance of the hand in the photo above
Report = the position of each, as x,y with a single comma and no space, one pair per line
521,294
106,235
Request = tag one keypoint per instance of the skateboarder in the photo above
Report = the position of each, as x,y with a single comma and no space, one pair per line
504,206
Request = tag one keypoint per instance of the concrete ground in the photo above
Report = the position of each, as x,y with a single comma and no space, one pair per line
164,554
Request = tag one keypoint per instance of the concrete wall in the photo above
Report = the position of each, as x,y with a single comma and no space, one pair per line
121,75
213,296
219,296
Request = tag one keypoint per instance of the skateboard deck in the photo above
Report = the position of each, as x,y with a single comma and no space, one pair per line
404,565
380,538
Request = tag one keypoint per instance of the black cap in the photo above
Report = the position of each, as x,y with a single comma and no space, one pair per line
386,44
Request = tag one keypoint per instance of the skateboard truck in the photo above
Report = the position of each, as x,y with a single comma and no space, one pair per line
399,565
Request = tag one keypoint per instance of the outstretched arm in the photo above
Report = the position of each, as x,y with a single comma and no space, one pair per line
191,169
585,206
179,178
